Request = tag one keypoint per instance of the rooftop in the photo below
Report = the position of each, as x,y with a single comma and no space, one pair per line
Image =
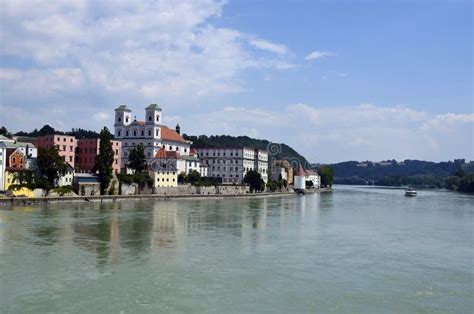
154,107
123,107
171,135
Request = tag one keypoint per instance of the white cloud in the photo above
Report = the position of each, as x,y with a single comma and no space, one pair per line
269,46
319,54
361,132
144,50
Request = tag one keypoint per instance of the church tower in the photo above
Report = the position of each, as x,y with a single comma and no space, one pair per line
153,121
123,118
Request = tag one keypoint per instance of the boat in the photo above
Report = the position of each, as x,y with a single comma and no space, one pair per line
410,192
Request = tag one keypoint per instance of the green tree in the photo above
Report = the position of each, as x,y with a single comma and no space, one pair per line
327,175
4,132
193,177
136,159
254,180
51,165
105,160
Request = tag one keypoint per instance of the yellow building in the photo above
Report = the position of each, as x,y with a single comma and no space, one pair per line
164,178
10,179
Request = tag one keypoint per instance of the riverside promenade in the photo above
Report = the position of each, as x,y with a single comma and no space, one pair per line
113,198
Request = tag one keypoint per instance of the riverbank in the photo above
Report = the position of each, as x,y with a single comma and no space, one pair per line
114,198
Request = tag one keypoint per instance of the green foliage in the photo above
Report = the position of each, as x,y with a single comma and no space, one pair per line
136,159
466,184
309,184
4,132
49,130
181,178
63,190
254,180
276,185
142,179
50,164
105,160
327,176
193,177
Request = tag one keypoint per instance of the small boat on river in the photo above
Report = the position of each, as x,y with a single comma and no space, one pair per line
410,192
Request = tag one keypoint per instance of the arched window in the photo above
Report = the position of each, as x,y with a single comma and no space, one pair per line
149,118
134,133
118,133
119,119
157,118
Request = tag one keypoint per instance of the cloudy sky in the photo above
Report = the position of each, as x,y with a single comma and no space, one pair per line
337,80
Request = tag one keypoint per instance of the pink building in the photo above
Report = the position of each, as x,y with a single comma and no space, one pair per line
87,151
66,145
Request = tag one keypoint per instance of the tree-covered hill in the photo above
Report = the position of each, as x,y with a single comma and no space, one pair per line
449,174
275,150
48,130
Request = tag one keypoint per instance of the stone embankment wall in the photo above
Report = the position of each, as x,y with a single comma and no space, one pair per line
133,189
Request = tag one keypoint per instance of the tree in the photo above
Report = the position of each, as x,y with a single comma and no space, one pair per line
327,175
254,180
4,132
136,159
104,160
51,165
193,177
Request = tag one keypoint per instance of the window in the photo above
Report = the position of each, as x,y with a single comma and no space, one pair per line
70,148
149,132
64,139
157,118
185,150
64,147
119,119
177,148
118,133
70,158
149,118
134,132
126,133
126,119
171,147
143,133
157,132
116,152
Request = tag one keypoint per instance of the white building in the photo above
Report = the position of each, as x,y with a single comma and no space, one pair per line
300,179
151,133
230,164
67,178
313,176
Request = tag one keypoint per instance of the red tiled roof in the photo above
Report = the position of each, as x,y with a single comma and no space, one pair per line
164,154
171,135
300,172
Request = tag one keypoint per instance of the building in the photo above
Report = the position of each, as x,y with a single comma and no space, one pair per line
151,133
15,163
67,178
282,168
300,179
7,147
164,169
230,164
313,176
66,145
87,151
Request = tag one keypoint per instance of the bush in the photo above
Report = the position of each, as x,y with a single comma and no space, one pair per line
61,190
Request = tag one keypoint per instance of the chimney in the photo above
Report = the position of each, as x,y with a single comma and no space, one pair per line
178,129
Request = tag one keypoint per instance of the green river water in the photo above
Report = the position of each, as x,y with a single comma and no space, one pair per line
354,250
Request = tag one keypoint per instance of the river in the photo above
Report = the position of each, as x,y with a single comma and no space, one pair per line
353,250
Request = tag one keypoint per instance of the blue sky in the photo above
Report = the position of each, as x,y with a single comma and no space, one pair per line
337,80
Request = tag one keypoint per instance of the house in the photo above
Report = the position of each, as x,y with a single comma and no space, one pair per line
86,184
15,163
164,169
314,177
300,179
67,178
284,169
230,164
151,133
87,151
66,145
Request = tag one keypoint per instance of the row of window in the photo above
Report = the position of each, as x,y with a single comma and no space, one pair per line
127,134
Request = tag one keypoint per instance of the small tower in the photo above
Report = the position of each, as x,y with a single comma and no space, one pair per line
300,180
178,129
153,121
123,116
153,114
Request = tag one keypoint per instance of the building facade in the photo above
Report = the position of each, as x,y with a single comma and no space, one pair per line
66,145
87,151
150,132
164,169
230,164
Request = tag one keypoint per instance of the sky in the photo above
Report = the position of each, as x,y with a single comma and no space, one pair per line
337,80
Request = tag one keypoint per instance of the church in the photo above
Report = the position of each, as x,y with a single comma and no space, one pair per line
150,132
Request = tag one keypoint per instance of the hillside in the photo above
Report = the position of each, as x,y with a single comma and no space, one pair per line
408,172
275,150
